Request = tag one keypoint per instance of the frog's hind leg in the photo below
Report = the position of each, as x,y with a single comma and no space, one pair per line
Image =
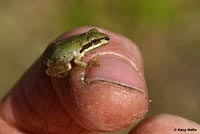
58,71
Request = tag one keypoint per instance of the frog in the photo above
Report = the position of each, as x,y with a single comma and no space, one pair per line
71,50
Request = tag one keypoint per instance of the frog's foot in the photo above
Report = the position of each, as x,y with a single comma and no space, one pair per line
58,71
93,62
61,75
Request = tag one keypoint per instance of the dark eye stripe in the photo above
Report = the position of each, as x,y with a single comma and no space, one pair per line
94,42
85,47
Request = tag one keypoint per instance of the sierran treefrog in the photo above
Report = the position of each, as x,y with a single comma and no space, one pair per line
73,49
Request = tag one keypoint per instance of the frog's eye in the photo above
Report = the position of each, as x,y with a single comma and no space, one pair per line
95,41
92,30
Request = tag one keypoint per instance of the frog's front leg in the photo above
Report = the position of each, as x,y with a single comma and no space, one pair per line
78,61
58,71
92,62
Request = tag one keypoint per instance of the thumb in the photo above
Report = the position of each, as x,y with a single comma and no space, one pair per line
111,97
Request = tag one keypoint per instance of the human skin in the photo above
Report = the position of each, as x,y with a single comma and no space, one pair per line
113,96
166,124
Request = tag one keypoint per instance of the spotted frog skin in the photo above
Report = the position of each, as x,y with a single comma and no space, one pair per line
74,48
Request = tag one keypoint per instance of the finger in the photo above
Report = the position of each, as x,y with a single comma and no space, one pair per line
167,124
110,96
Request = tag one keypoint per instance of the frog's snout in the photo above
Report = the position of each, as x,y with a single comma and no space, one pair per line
106,38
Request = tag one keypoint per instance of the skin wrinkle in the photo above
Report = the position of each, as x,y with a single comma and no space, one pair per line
45,125
67,126
58,125
127,86
71,120
60,84
29,104
65,93
116,54
32,111
53,81
50,107
22,96
36,112
6,120
135,56
21,119
32,106
90,80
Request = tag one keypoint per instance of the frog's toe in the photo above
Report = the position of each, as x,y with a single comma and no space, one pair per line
93,62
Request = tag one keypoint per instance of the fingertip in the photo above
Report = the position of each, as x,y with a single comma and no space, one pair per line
167,124
111,102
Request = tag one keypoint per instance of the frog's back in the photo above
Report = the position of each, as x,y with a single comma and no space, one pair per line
62,51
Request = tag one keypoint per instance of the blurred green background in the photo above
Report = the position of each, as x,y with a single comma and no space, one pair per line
166,31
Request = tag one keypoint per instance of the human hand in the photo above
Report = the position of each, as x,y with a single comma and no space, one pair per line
114,96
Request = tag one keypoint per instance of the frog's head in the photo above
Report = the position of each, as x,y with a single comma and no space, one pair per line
95,36
95,39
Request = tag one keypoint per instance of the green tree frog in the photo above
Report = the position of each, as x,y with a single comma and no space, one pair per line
73,49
